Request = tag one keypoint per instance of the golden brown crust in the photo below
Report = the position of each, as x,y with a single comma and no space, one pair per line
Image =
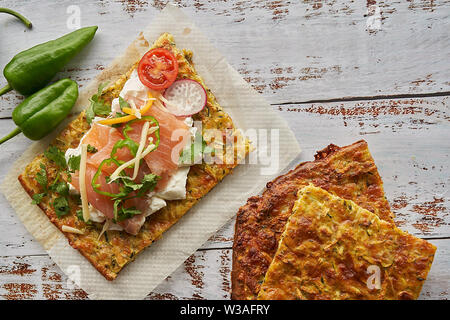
348,172
115,249
332,249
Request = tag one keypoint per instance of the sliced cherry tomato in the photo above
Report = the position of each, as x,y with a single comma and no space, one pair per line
158,69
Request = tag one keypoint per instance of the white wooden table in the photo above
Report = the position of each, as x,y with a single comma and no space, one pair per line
337,71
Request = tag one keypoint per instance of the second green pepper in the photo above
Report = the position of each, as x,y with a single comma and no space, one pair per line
43,111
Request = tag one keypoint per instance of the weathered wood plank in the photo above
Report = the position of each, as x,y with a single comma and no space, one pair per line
326,51
288,50
205,275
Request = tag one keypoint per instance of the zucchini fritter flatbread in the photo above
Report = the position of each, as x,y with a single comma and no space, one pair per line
349,172
332,249
114,249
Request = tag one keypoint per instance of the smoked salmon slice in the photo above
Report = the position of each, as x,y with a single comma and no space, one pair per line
103,138
174,136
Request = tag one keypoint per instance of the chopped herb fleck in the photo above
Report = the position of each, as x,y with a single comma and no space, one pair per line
41,177
74,163
62,188
61,206
57,156
37,197
91,149
80,216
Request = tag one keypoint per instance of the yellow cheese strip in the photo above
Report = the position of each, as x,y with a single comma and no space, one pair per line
83,192
131,114
117,120
71,230
144,109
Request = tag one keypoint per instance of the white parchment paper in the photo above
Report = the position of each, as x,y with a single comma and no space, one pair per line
248,111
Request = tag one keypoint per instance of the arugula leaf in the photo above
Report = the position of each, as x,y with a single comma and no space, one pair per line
101,108
37,197
61,206
57,156
91,149
41,177
97,107
74,163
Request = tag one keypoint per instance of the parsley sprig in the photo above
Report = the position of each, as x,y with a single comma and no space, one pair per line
58,186
98,107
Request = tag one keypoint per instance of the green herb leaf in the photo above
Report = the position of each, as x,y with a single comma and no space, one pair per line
122,213
61,206
37,197
57,156
148,184
97,107
41,177
62,188
80,216
123,103
101,108
90,114
74,163
131,184
91,149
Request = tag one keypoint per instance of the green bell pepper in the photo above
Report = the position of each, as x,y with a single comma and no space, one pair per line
32,69
44,110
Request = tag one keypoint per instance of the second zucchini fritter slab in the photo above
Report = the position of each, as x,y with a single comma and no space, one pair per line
329,246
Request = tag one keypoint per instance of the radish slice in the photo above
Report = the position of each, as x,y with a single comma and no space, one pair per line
185,97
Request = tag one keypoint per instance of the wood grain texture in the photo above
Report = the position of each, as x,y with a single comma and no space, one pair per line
290,51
